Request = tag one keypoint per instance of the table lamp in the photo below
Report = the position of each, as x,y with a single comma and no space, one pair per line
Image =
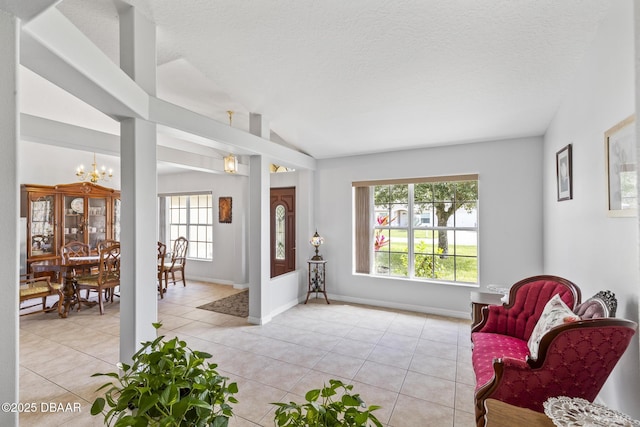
316,241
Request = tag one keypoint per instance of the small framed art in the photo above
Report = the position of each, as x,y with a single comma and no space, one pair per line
224,210
620,152
564,173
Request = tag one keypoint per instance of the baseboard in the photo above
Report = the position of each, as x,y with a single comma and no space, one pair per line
211,280
400,306
284,307
259,320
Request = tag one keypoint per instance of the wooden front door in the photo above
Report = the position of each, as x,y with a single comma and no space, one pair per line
283,230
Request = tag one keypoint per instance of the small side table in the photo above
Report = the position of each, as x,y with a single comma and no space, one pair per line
479,300
500,414
317,278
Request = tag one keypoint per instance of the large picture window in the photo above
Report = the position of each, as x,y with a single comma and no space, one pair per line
423,229
191,216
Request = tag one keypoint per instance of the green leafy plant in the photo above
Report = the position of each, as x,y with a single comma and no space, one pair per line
167,385
325,408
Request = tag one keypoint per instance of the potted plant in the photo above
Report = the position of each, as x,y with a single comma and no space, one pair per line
325,408
168,384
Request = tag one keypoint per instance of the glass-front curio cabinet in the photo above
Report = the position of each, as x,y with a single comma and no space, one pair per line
57,215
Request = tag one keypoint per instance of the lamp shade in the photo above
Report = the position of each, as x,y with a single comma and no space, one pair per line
316,240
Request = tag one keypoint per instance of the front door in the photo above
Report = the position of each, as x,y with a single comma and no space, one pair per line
283,230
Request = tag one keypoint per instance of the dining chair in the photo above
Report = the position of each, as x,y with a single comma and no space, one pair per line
104,243
76,249
178,261
162,253
39,287
108,276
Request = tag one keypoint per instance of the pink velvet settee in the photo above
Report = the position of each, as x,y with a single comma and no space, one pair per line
573,358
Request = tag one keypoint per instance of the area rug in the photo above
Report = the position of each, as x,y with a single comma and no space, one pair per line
235,305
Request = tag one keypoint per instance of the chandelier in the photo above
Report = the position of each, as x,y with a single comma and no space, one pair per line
94,175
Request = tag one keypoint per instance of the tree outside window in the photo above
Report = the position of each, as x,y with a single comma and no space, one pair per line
426,230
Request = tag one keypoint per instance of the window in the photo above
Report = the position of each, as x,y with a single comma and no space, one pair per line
191,216
280,232
422,229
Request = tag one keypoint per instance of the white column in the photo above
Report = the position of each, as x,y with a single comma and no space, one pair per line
259,237
636,29
259,126
305,216
138,306
9,213
259,228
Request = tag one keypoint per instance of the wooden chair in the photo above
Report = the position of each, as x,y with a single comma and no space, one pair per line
104,243
108,276
178,261
75,249
39,287
162,253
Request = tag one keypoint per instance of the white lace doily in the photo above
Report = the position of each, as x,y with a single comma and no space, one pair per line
574,412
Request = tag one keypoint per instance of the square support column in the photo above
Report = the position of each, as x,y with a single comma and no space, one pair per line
138,306
259,238
138,290
9,213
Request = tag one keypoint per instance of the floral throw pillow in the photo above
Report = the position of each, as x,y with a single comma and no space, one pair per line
555,313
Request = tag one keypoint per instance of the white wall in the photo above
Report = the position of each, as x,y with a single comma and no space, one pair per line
581,242
510,217
49,165
230,264
229,240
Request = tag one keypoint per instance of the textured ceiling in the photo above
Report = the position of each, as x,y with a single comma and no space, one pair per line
339,78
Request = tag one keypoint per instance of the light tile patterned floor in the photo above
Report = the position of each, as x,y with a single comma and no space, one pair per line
416,366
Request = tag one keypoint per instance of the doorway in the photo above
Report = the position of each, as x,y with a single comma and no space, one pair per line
283,230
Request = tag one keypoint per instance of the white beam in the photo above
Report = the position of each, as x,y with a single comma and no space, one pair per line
51,132
57,50
204,130
196,162
184,154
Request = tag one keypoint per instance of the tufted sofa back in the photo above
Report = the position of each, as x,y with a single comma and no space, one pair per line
527,299
575,361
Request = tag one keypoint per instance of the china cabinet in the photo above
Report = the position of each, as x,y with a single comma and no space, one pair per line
59,214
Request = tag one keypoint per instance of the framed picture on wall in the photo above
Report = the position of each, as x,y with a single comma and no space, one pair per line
224,210
564,173
620,153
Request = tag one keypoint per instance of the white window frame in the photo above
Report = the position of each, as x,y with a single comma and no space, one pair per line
360,241
196,244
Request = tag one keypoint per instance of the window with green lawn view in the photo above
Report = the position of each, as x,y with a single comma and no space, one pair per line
191,216
423,229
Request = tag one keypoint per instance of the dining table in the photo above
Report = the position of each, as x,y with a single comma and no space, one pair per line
64,269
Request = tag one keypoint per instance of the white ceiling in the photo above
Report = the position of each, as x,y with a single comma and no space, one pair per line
338,78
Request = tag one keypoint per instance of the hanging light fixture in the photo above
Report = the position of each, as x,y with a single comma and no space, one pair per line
94,175
230,164
230,161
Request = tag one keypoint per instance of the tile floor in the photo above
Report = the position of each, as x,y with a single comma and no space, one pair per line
416,366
